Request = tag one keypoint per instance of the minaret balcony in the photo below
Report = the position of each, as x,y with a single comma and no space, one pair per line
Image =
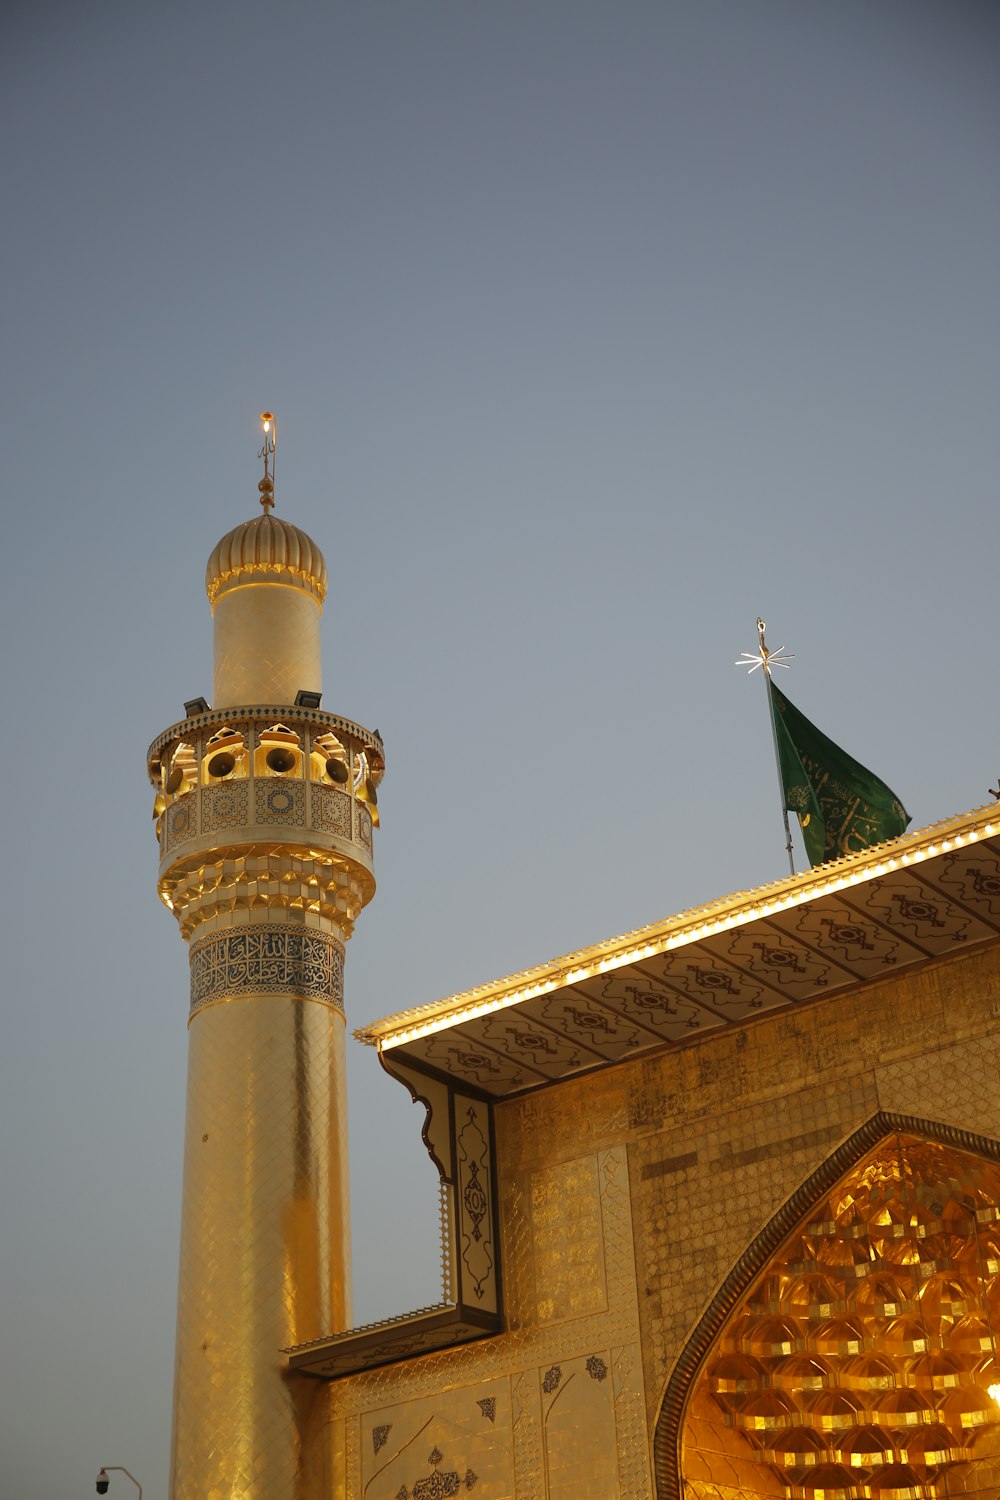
294,787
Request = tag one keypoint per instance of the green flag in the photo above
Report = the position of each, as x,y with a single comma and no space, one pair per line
841,807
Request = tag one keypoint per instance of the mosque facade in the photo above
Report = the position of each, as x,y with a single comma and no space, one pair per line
720,1197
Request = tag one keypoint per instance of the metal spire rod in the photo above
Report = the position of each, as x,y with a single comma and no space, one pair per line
767,659
268,451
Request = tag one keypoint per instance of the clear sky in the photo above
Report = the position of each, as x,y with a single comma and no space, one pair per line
594,330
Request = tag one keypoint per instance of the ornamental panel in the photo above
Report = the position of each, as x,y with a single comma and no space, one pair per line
519,1037
279,800
579,1020
666,1011
268,960
708,980
224,806
972,876
793,971
853,939
331,810
180,822
913,907
474,1194
468,1060
453,1444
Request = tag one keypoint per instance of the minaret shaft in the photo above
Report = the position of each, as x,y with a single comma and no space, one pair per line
265,813
265,1239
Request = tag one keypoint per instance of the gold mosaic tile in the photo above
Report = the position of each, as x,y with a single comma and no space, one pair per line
597,1345
265,1261
662,1170
958,1084
567,1241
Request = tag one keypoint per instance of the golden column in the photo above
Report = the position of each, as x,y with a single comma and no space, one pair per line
264,807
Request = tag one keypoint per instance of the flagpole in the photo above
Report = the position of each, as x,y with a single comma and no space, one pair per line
777,762
766,659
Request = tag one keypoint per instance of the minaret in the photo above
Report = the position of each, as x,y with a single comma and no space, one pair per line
264,807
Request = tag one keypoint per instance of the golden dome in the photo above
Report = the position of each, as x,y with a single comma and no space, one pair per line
266,550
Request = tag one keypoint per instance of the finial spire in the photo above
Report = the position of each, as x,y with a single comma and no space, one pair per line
763,657
266,485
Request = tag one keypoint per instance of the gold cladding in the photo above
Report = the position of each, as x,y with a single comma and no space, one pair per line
859,1366
267,549
265,1241
266,641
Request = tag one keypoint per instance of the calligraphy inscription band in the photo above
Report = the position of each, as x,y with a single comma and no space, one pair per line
268,960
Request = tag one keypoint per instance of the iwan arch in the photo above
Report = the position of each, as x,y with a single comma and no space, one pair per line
857,1357
722,1196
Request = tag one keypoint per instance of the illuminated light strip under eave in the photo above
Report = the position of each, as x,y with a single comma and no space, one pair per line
444,1020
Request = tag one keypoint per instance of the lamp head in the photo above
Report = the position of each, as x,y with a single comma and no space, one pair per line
102,1482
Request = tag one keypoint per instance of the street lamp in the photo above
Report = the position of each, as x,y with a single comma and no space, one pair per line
103,1481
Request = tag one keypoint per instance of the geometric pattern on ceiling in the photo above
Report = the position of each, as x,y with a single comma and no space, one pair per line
859,1366
786,954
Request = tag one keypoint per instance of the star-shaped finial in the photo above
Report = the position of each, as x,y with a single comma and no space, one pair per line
763,657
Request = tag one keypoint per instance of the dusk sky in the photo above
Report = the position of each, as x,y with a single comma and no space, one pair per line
594,330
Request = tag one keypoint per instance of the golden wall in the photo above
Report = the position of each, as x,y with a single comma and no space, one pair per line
266,645
627,1197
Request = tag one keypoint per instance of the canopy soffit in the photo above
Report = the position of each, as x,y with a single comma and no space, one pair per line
926,895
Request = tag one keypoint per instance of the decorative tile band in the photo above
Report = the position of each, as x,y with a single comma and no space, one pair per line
282,960
252,803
